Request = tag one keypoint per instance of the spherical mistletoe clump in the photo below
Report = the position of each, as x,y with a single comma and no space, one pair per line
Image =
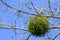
38,26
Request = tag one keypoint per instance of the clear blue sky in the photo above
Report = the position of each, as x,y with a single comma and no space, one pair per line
8,15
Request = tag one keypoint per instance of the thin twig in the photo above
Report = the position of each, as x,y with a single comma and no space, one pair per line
50,8
28,37
26,12
34,7
38,15
14,28
53,27
15,8
7,5
55,36
27,5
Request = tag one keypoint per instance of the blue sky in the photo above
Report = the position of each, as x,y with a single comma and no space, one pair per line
8,15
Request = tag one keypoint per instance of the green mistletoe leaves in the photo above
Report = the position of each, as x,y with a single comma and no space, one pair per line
38,26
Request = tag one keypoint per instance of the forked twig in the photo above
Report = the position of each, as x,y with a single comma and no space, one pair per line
50,8
34,7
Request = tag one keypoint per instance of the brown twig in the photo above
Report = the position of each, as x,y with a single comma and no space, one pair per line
53,27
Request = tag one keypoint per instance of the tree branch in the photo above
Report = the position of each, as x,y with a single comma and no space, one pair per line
28,37
56,36
53,27
14,28
34,7
50,8
7,5
15,8
26,12
2,24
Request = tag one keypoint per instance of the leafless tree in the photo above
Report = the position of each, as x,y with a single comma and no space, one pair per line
32,9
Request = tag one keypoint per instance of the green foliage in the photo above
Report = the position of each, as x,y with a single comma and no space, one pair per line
38,26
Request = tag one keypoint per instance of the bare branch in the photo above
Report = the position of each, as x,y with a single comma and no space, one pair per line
26,12
50,8
53,16
14,28
15,9
34,7
7,5
38,15
5,23
28,37
56,36
53,27
27,5
2,24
